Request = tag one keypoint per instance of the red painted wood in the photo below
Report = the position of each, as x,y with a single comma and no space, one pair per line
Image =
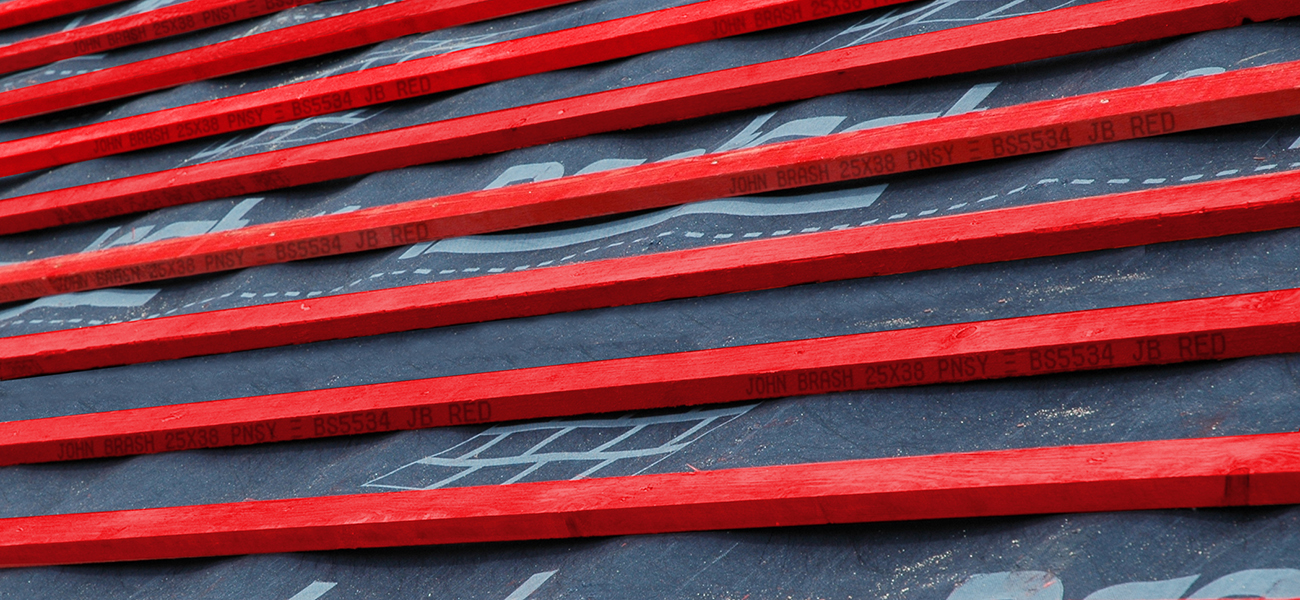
475,66
1260,93
168,21
21,12
963,49
1254,470
1150,334
1199,210
255,51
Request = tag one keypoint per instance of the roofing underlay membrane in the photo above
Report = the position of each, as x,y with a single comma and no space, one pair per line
1138,555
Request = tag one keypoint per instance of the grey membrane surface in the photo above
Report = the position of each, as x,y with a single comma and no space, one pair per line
1150,555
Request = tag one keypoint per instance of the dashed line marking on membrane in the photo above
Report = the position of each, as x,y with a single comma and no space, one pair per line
690,234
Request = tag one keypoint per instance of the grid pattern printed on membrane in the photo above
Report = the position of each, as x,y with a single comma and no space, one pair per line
560,449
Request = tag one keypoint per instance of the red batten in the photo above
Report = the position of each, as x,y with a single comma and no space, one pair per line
1235,97
134,29
1150,334
1054,33
21,12
1257,203
474,66
1255,470
255,51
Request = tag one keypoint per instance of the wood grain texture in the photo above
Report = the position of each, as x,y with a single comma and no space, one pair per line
1252,470
21,12
1054,33
255,51
1203,329
1234,97
135,29
1193,211
585,45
